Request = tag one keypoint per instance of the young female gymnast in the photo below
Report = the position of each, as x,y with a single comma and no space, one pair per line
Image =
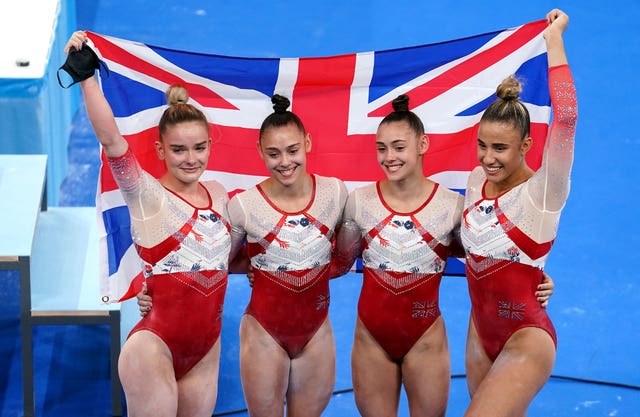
509,224
169,364
287,351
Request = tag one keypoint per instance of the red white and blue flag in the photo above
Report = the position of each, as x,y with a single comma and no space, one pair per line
341,100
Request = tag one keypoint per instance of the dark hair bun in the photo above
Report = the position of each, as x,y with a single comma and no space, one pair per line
401,103
509,89
280,103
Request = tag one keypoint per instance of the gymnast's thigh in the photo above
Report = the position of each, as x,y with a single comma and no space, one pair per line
376,377
477,362
198,388
146,372
312,376
426,372
264,369
518,373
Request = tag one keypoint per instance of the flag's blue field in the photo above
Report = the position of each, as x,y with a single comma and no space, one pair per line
595,307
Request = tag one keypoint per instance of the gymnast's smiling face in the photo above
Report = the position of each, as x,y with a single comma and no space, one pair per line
284,151
400,150
185,148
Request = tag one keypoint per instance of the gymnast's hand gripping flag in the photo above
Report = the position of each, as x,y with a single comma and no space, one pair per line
341,100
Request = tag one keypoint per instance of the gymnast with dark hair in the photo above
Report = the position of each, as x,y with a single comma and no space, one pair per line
287,350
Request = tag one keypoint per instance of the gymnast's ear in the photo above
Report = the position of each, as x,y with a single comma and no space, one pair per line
307,142
423,144
159,149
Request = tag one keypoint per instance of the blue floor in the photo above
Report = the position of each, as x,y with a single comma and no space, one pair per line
596,304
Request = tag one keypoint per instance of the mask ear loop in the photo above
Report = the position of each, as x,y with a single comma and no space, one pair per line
60,81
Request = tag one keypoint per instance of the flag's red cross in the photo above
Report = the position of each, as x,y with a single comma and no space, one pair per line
321,96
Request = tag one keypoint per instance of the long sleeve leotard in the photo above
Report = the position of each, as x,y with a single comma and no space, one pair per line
184,252
507,239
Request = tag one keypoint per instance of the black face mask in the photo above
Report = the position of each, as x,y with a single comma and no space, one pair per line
81,65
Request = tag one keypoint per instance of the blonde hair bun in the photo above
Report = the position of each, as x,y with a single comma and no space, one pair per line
176,93
509,89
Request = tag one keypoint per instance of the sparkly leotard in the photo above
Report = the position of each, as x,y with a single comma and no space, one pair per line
507,239
404,256
184,251
290,254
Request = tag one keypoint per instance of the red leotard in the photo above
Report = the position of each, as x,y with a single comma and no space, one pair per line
185,252
507,239
404,256
290,254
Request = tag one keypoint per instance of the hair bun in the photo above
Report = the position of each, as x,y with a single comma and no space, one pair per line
401,103
177,93
280,103
509,89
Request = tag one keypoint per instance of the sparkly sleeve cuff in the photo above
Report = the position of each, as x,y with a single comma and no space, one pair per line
563,100
126,170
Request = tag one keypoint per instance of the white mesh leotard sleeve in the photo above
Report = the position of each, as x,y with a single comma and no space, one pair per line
549,187
237,218
348,243
143,194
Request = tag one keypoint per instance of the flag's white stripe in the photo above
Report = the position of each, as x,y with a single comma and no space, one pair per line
117,284
473,90
139,122
111,199
358,121
287,77
455,180
538,114
253,105
439,113
232,181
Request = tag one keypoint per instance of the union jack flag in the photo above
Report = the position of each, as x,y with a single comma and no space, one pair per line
341,100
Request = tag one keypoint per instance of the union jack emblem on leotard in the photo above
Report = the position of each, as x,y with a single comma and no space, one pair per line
513,311
424,309
323,301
